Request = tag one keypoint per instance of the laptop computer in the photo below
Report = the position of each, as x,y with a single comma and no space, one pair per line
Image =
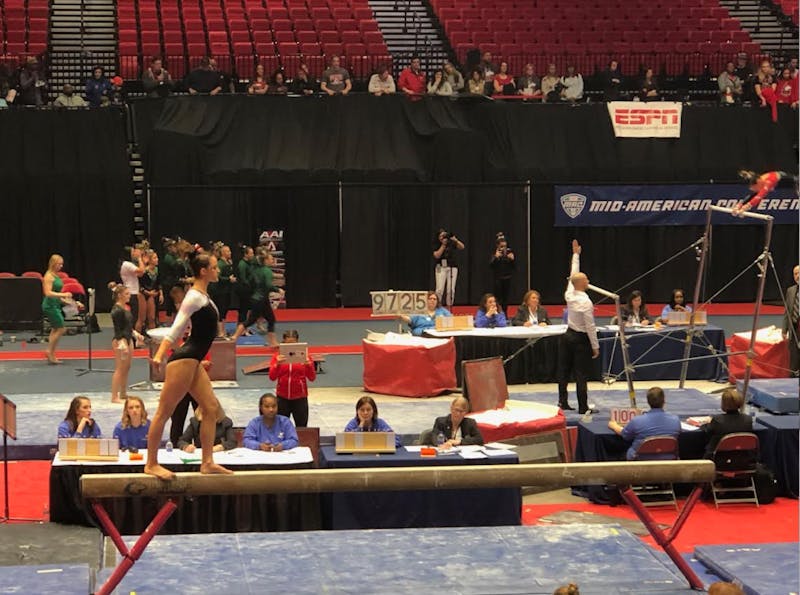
365,443
682,318
295,353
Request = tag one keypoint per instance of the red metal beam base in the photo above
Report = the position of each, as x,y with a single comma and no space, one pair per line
129,557
663,539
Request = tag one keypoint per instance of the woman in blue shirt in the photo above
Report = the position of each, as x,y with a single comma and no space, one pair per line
132,430
367,420
676,304
419,323
488,314
79,423
269,431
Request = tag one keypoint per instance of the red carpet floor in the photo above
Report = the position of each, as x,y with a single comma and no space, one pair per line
730,524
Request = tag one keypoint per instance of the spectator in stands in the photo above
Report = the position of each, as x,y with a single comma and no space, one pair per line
439,85
224,438
68,98
793,67
655,422
419,323
612,81
32,84
531,312
117,95
97,88
551,91
277,85
488,68
302,84
787,88
269,431
258,85
730,422
204,79
457,429
382,82
454,77
412,80
676,304
78,422
8,86
489,315
132,430
648,88
503,82
765,86
156,80
476,84
635,311
744,70
528,84
335,79
367,420
225,79
571,85
730,85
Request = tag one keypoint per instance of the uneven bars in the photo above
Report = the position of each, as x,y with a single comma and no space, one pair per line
742,214
604,292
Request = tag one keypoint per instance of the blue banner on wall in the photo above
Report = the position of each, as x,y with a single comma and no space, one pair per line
585,206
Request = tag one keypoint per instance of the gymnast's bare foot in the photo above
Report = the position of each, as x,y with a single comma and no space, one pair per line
162,473
212,468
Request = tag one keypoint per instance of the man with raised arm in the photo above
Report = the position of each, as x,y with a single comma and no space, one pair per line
579,345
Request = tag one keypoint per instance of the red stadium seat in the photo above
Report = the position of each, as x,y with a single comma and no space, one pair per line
310,49
303,25
730,24
241,48
370,25
287,49
284,37
328,37
355,49
346,25
281,25
698,36
325,25
332,49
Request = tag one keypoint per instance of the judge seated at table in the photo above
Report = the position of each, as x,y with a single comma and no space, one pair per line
419,323
489,315
530,312
732,421
269,431
677,303
132,430
655,422
79,422
635,311
456,428
367,420
224,438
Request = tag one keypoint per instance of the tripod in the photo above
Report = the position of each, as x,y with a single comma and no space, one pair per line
88,326
8,421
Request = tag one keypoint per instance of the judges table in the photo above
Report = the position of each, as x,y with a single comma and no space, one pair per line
204,514
417,508
780,450
647,345
536,349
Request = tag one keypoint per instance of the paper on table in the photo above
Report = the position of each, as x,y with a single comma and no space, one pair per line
470,448
414,448
500,445
497,452
472,454
688,427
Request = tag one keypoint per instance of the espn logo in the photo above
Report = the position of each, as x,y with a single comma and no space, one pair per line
646,116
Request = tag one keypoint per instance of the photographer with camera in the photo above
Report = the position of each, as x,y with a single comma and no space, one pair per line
503,265
445,246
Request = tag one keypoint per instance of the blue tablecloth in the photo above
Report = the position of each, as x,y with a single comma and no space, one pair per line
646,347
780,450
417,508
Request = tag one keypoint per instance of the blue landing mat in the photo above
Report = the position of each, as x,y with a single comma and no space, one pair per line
778,395
50,578
761,568
682,402
603,559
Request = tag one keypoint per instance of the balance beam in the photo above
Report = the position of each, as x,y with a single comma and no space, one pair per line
302,481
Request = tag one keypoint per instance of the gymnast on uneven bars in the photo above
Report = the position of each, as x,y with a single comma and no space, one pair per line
760,186
184,372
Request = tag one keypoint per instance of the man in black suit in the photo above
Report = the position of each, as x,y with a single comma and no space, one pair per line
456,429
530,312
791,323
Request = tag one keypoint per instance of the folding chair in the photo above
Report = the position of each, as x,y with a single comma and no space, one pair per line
736,457
657,448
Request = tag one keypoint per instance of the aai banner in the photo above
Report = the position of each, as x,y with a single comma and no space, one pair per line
585,206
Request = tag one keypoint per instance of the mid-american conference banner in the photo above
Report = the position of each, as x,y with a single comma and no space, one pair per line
638,119
585,206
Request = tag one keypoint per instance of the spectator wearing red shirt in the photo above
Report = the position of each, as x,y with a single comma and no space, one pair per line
786,91
412,80
292,383
504,82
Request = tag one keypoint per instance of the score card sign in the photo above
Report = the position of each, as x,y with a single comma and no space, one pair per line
394,303
622,416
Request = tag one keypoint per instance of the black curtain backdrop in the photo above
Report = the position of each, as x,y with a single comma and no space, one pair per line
66,189
380,147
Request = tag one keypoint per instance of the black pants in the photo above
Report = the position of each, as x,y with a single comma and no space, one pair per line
223,303
296,407
244,306
794,352
574,357
261,309
178,418
501,290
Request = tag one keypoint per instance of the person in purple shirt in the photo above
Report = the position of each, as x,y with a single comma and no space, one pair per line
132,429
367,420
655,422
488,314
79,423
269,431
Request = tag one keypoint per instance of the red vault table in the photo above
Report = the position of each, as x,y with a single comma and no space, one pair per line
409,366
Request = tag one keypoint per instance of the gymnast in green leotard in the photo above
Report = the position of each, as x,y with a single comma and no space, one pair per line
51,304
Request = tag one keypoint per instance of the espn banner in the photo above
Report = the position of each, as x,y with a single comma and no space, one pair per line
637,119
586,206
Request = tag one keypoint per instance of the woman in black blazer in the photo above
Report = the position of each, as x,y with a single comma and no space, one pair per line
457,429
730,422
530,303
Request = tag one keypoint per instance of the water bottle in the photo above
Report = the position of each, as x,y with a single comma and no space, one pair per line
439,439
168,446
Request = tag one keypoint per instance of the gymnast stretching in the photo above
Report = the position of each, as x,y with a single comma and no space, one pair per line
760,186
184,372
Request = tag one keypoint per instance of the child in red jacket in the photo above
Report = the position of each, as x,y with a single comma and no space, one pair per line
292,387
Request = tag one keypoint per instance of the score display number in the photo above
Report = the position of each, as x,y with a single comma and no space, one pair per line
392,303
